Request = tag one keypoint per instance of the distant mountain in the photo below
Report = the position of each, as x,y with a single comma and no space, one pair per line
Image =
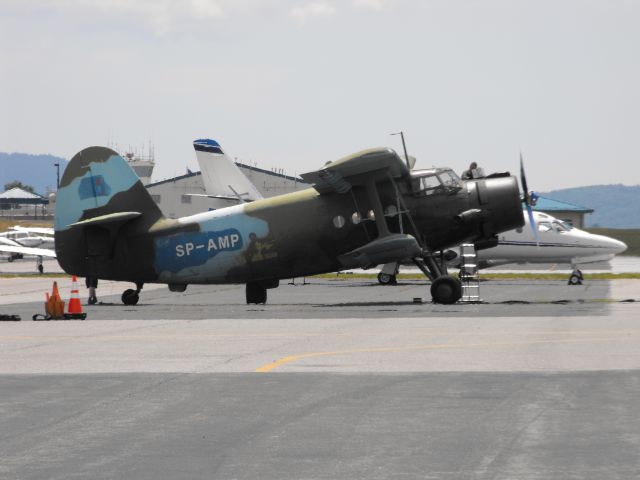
35,170
615,206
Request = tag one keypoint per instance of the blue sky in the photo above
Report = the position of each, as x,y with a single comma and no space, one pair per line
293,84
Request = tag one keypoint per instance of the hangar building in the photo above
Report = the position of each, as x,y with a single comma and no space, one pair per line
172,195
567,212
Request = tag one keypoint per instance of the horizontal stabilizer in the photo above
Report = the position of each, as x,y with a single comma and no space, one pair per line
341,175
109,218
392,248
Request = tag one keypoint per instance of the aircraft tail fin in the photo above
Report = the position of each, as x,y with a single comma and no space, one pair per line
221,176
99,195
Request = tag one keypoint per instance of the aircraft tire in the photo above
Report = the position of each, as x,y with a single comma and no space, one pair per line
386,279
40,268
130,297
92,300
575,280
446,290
10,258
256,293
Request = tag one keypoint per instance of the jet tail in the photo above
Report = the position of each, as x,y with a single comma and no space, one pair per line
221,176
100,202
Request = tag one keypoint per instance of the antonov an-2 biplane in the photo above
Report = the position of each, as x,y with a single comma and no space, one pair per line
363,210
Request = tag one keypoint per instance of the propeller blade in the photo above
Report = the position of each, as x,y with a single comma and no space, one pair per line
528,200
523,181
532,223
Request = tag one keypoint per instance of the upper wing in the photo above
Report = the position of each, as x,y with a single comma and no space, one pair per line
341,175
41,252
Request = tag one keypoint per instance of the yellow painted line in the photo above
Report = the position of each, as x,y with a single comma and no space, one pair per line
269,367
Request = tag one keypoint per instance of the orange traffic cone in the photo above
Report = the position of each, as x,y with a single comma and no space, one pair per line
56,305
74,302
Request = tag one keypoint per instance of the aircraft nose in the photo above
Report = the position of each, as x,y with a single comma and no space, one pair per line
501,197
616,246
610,245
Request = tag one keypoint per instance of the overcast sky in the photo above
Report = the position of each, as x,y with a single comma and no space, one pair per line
293,84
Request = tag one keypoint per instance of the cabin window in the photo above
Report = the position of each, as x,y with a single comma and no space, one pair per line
338,221
185,198
356,218
156,198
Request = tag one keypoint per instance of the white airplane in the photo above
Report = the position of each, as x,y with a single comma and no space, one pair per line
20,241
556,242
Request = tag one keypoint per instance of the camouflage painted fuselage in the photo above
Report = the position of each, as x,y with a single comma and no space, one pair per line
297,234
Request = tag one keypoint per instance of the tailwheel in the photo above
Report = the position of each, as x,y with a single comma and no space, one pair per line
130,297
387,279
446,289
256,293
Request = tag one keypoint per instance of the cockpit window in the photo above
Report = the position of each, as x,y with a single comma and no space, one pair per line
439,182
429,183
544,227
449,179
562,226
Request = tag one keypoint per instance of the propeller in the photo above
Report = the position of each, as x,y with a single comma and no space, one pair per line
529,199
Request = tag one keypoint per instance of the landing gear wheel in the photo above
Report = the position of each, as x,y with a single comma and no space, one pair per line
130,297
575,279
256,293
40,268
386,279
446,290
92,300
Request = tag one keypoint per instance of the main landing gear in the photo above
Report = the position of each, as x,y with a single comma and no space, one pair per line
256,293
445,289
131,296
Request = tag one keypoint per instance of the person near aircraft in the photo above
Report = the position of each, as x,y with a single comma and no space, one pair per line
472,172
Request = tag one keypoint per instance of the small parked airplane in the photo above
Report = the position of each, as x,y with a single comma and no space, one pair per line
20,241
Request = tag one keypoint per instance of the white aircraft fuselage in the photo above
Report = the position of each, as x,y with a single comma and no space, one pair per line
557,242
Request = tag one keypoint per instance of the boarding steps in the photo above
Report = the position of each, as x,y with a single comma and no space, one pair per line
469,274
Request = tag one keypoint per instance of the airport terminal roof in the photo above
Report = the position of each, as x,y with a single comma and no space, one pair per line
549,205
